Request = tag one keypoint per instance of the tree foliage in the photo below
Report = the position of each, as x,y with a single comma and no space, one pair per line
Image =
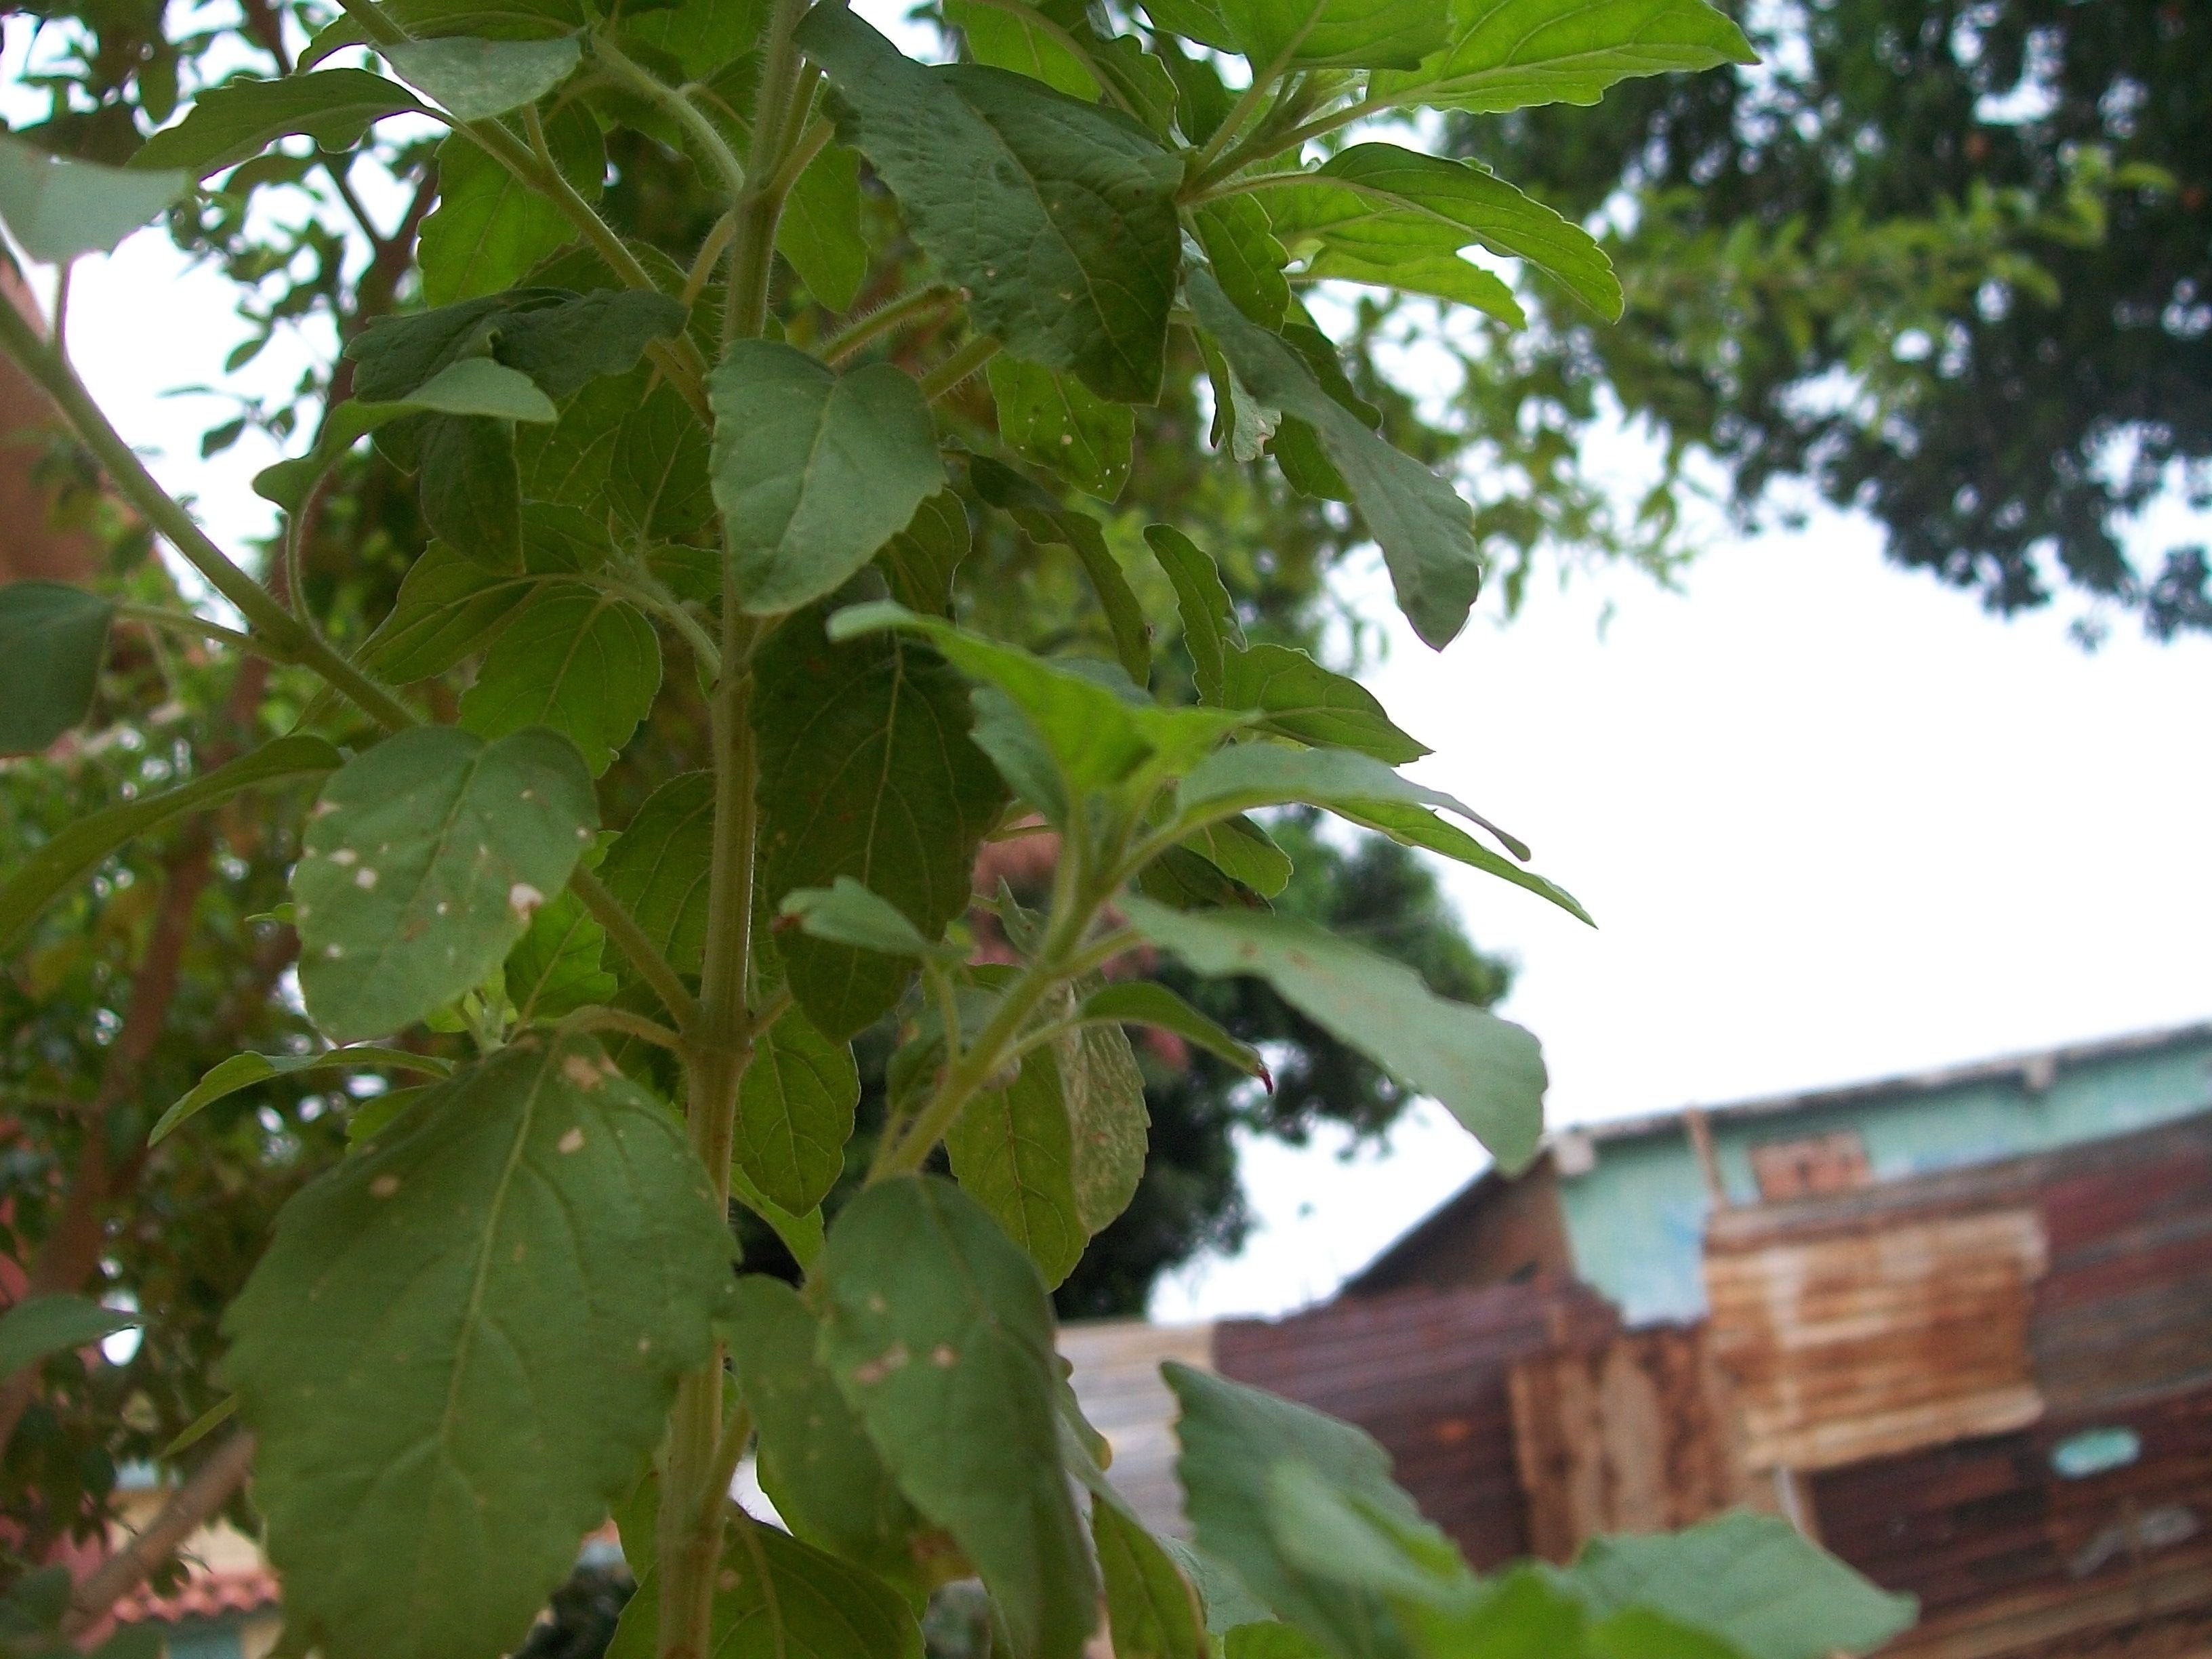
510,1308
1946,263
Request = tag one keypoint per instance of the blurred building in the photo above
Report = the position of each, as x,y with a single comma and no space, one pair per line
1958,1326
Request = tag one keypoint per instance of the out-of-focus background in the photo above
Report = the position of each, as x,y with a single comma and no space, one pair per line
1850,657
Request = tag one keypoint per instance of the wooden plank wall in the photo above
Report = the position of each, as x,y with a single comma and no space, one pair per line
1636,1435
1860,1339
1424,1372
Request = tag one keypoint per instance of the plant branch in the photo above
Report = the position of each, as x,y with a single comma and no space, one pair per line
291,638
621,68
1264,144
886,319
760,206
197,1501
596,1017
184,621
634,942
972,354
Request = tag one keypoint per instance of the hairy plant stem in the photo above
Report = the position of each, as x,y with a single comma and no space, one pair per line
719,1041
971,355
888,317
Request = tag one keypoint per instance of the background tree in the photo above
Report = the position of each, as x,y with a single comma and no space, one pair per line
1949,263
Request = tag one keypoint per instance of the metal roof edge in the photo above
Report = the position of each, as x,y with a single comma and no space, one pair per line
2036,1067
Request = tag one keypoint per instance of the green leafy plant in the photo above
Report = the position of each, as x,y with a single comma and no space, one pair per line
513,1309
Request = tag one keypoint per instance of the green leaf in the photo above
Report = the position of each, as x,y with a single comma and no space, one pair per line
73,851
471,386
1108,1122
1752,1580
489,228
939,1333
1194,20
427,857
1341,1534
475,80
1302,700
658,868
919,562
1254,774
846,912
657,472
43,1325
1014,34
1145,1002
1209,627
820,230
1280,1641
701,38
1150,1608
1413,825
447,607
801,1234
1052,420
1279,34
1234,1440
244,1070
58,207
1012,1151
1509,54
462,1344
1095,738
1057,216
580,661
1046,520
229,123
813,471
1488,1072
817,1464
569,462
555,967
867,771
1379,204
1426,531
582,338
469,490
1246,853
795,1113
1439,275
776,1598
53,638
1239,239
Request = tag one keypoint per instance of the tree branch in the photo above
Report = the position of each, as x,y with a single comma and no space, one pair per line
197,1501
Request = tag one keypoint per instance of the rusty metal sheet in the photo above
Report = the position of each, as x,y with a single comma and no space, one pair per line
1853,1341
2007,1556
1636,1435
1424,1372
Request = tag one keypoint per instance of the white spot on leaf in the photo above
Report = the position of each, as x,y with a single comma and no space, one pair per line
524,899
383,1186
364,878
573,1141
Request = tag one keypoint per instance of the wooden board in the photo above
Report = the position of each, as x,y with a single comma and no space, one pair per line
1861,1341
1634,1436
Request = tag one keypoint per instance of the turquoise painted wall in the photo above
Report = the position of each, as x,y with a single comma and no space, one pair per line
1637,1220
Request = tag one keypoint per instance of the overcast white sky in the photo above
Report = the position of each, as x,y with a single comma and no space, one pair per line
1833,820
